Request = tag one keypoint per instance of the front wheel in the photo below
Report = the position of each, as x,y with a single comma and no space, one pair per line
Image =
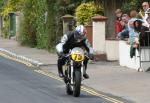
77,83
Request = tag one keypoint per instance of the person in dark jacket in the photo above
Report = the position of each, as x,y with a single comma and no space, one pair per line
70,40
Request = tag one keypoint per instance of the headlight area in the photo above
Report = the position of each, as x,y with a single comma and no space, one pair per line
77,65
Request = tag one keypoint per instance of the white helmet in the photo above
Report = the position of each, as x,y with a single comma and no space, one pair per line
80,29
80,32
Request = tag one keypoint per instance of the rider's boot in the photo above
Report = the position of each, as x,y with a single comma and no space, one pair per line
60,70
61,75
86,76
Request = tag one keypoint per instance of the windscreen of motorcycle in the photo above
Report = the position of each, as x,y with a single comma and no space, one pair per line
77,54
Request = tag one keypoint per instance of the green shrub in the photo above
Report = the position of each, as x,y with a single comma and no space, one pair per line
5,29
33,31
85,11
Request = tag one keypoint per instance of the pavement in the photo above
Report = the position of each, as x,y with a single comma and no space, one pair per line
105,76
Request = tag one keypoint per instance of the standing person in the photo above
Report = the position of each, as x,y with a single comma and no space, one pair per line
145,6
144,38
118,13
69,41
148,16
148,21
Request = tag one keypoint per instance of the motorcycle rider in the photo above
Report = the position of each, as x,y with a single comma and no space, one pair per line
70,40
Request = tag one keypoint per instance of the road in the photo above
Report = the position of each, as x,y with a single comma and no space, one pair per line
20,84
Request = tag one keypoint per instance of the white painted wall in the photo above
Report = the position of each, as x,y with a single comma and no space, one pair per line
124,56
103,46
133,63
99,37
112,50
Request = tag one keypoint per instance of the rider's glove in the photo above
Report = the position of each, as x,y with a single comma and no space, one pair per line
60,54
91,56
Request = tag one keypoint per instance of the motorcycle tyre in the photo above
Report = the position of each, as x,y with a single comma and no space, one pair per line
77,83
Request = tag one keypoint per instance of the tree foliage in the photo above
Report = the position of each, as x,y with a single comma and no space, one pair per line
85,11
51,22
8,6
33,32
11,6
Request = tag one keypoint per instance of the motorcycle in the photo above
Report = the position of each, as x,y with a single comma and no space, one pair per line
73,71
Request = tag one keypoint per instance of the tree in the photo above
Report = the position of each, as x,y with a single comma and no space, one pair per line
51,20
33,32
2,3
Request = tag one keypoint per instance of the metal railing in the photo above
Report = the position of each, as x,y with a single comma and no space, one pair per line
144,51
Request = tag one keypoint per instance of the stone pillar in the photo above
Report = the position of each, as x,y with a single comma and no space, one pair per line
1,25
19,17
99,34
68,23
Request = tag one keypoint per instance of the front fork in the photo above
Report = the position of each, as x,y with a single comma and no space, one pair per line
72,71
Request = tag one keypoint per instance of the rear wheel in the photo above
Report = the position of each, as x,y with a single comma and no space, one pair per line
77,83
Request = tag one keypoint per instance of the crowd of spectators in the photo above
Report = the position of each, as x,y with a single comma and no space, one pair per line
133,26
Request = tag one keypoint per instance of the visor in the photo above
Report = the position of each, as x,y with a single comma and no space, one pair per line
79,36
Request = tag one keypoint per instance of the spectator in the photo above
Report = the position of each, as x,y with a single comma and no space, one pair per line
132,34
139,36
133,15
148,21
134,39
118,27
124,23
144,39
148,16
145,6
118,13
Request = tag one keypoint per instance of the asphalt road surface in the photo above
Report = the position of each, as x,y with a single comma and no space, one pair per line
20,84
